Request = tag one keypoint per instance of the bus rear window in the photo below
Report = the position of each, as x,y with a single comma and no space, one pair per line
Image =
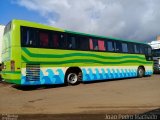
28,37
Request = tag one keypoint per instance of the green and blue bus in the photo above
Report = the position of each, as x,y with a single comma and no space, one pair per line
37,54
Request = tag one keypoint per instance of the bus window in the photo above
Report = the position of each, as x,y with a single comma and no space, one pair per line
149,51
43,36
91,44
125,47
131,47
95,44
58,40
62,41
54,41
83,43
146,50
142,49
118,46
101,45
28,37
71,42
110,46
136,48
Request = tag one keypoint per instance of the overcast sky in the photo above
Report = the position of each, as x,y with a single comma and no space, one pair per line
128,19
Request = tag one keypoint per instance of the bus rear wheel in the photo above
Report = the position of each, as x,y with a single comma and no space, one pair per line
72,78
140,72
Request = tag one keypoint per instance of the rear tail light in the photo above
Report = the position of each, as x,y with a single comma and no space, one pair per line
12,65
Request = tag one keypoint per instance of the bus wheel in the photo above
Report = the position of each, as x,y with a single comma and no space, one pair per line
72,78
140,72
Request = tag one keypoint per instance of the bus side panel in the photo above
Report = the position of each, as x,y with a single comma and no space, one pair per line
56,75
111,72
52,65
108,72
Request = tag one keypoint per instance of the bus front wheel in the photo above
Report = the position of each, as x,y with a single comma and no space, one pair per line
140,72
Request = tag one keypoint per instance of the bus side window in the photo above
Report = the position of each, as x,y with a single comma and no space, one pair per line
125,47
71,42
131,47
95,44
24,36
142,49
62,41
55,40
148,51
136,48
118,46
91,44
110,46
101,45
83,43
43,36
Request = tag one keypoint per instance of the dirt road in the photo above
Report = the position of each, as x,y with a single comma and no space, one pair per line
127,96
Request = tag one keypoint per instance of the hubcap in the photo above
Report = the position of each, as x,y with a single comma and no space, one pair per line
140,72
72,78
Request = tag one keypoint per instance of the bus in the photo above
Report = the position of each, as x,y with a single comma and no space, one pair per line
37,54
156,55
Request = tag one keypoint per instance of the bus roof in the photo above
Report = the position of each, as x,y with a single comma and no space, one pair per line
38,25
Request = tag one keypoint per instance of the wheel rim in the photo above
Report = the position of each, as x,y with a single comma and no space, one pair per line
141,72
72,78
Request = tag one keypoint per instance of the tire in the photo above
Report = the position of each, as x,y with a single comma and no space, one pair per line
140,72
73,78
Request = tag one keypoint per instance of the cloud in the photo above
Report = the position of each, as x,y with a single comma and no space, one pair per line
136,19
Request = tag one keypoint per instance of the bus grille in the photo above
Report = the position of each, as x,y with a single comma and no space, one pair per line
32,72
